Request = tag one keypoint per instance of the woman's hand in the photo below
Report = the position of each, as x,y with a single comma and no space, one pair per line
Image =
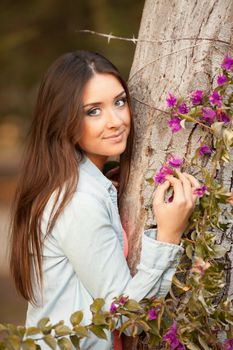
172,218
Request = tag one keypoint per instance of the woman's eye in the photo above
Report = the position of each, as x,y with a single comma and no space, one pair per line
121,102
94,112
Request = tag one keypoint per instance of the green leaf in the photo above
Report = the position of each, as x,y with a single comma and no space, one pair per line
21,331
81,331
3,328
99,319
150,181
29,344
97,305
62,330
179,284
50,341
75,341
64,344
203,343
190,345
3,345
32,331
98,331
135,330
133,305
189,251
219,251
228,137
14,342
124,326
43,322
144,325
76,317
217,128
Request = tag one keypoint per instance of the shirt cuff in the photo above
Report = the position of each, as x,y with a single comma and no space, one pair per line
157,254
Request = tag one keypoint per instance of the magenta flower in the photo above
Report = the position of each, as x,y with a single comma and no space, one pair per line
174,124
113,308
200,191
196,97
228,344
166,170
159,177
222,116
152,314
215,99
122,301
227,62
171,100
208,115
171,338
175,162
183,108
170,199
205,150
222,79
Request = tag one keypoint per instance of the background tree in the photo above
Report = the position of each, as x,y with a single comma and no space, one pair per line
180,45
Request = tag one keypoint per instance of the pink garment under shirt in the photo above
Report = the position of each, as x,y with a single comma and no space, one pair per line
117,339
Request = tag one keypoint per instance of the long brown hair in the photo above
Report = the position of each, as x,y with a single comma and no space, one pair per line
51,160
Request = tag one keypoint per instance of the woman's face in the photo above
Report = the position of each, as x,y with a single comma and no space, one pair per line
106,122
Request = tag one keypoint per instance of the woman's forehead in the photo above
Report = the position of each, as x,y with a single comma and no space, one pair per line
101,86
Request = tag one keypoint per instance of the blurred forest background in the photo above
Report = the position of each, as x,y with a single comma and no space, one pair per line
32,35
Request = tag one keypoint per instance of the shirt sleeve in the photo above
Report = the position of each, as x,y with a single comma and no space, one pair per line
89,241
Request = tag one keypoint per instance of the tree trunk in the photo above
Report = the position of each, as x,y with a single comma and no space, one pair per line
181,42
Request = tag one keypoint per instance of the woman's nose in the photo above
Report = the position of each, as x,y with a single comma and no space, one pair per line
113,119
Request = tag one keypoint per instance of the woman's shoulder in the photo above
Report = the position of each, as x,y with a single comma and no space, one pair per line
92,181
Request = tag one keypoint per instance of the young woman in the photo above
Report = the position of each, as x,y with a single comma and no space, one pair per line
67,244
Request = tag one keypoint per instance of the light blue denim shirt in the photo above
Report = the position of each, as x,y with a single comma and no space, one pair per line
83,257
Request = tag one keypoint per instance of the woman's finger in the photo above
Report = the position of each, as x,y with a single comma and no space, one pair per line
187,188
179,195
195,184
160,192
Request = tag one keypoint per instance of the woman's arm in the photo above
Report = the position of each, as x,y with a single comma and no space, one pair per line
89,241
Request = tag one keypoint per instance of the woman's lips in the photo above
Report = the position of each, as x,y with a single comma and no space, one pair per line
115,137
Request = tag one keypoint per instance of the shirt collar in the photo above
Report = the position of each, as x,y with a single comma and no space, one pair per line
88,166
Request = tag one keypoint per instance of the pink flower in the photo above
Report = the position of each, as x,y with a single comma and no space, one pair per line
183,108
175,162
215,99
200,266
200,191
228,344
113,308
159,177
205,150
174,124
122,301
196,97
227,62
222,116
208,115
222,79
171,100
166,170
152,314
171,338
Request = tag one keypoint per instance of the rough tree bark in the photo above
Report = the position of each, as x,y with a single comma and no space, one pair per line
181,42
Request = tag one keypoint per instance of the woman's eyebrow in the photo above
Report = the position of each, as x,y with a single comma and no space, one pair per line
99,103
